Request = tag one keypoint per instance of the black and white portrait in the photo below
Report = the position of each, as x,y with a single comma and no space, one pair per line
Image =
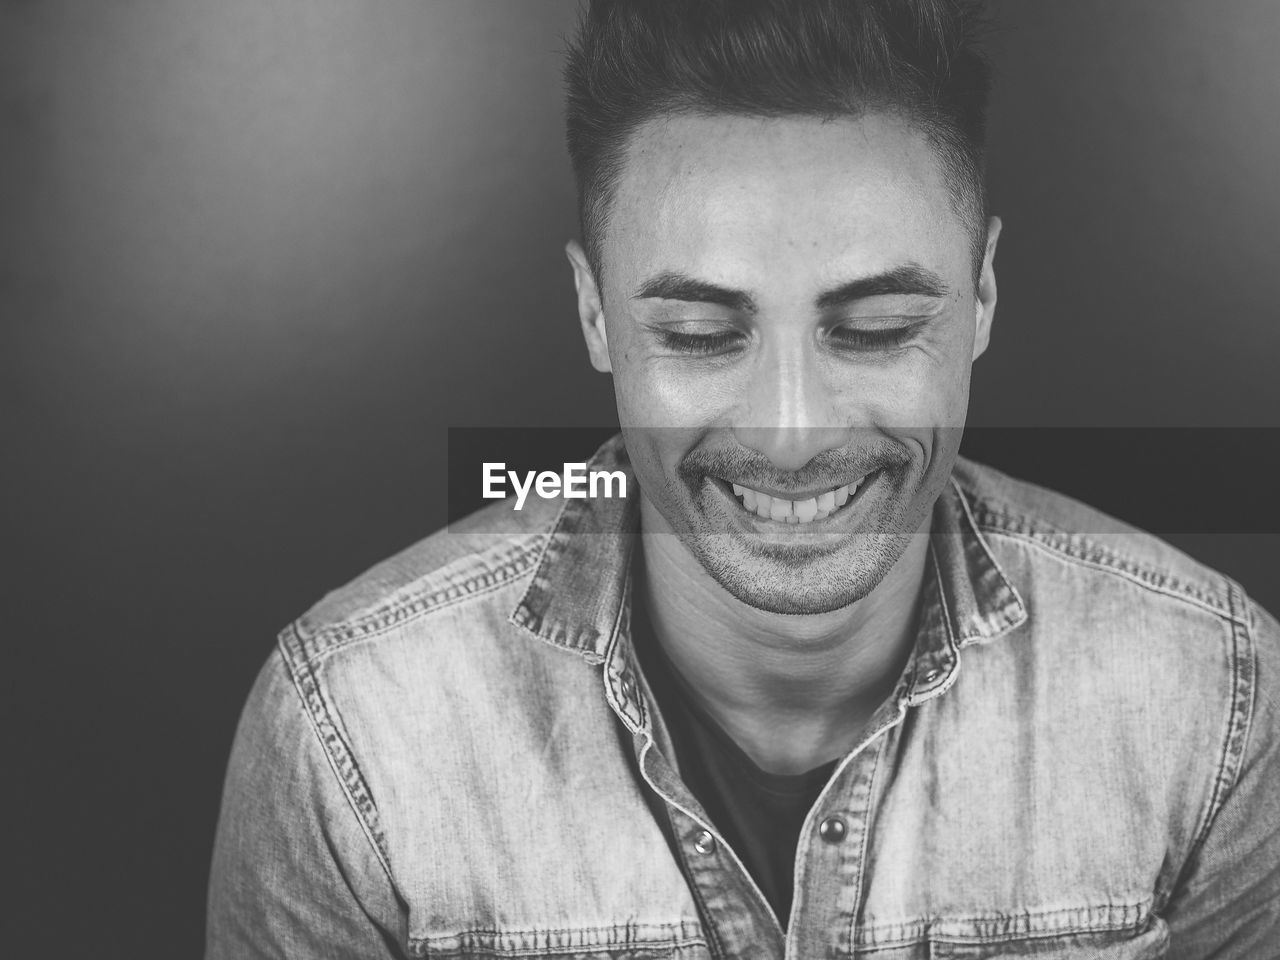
689,479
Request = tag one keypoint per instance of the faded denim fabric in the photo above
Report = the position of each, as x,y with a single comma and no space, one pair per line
455,756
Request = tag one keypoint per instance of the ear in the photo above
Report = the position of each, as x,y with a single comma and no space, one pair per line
985,308
590,311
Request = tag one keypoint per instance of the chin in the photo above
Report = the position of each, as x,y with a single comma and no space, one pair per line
793,579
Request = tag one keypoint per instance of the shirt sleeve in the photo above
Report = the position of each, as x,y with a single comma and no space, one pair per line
1227,904
293,874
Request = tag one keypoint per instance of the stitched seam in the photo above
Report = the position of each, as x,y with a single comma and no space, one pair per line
470,932
920,697
995,519
347,643
1214,800
611,650
714,943
468,936
1010,938
467,949
952,642
510,556
1110,559
862,850
537,572
1171,588
332,639
968,512
1038,934
335,749
1239,714
473,950
1142,912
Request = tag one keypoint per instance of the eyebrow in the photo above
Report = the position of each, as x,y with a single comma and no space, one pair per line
910,280
680,286
907,280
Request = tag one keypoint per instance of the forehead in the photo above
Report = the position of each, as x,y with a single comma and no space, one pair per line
725,194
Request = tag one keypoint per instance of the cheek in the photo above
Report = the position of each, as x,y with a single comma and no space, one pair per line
654,454
918,390
663,393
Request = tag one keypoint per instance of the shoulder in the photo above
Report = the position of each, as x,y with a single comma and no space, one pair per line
1265,636
432,619
370,683
478,558
1061,530
1114,608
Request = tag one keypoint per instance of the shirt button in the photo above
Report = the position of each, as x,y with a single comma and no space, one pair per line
832,830
704,843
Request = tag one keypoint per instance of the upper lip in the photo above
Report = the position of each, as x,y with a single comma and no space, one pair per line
809,493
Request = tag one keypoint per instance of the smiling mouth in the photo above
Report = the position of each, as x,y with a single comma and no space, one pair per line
809,510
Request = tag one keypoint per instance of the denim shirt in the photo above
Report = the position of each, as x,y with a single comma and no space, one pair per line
456,756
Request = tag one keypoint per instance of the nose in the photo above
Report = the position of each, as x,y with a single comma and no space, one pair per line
791,413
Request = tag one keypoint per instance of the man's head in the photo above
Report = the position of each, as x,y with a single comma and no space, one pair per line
787,270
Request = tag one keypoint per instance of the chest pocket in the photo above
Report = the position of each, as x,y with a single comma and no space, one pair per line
633,952
560,944
1152,943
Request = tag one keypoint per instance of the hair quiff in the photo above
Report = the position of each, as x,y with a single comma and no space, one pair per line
633,60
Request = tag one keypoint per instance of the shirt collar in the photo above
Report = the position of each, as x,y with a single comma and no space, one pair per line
966,598
576,598
580,595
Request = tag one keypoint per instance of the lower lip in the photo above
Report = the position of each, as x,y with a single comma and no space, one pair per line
771,524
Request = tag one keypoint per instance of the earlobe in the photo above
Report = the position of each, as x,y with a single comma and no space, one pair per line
590,307
985,299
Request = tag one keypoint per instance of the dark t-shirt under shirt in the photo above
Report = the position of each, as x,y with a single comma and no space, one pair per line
759,813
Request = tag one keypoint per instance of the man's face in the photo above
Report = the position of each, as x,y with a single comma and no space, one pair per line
789,313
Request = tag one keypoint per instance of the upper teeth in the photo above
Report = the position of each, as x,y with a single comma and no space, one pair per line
795,511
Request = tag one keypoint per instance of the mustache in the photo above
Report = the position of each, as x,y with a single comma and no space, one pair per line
751,468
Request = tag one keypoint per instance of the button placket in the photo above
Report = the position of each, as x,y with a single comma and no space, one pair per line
830,872
728,901
833,830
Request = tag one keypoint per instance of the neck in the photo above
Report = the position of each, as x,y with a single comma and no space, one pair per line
793,691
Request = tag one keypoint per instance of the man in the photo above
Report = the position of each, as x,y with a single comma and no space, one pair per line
816,687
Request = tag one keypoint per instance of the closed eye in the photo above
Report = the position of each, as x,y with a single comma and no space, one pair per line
881,338
699,344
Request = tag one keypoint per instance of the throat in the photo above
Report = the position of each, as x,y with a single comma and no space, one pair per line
792,691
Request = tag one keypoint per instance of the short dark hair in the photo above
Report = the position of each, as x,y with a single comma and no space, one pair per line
633,60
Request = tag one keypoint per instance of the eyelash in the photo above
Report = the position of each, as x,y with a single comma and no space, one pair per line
885,339
697,344
701,344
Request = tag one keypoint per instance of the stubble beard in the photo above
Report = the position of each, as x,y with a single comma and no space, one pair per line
797,580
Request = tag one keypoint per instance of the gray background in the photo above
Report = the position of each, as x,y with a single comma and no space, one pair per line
257,256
